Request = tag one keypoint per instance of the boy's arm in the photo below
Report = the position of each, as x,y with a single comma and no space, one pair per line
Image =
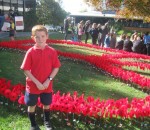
52,75
39,85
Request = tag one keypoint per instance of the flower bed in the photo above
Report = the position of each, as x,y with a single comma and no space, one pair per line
90,107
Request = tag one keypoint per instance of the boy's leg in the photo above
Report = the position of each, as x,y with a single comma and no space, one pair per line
30,101
31,116
46,99
47,123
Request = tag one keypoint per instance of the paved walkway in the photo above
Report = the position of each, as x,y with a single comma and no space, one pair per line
18,34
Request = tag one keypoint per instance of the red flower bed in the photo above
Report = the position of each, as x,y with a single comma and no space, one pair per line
96,108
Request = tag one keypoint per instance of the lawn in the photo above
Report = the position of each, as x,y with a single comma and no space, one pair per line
74,75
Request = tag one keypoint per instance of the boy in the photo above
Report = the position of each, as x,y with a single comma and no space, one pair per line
40,66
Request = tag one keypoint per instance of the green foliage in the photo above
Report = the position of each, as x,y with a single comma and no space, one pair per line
30,19
50,12
46,12
131,9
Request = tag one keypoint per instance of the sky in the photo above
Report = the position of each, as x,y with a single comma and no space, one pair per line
73,6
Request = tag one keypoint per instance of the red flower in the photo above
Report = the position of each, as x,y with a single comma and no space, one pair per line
21,100
13,96
7,93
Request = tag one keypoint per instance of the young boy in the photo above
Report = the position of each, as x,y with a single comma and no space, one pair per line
40,65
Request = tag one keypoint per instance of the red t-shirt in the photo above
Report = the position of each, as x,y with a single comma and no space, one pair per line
40,63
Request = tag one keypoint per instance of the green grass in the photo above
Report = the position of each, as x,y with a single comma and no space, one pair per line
77,49
125,32
73,76
55,35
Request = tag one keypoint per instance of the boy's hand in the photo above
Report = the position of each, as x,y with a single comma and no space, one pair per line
40,86
46,83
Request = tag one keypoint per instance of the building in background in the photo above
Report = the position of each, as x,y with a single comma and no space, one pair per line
18,7
109,15
15,9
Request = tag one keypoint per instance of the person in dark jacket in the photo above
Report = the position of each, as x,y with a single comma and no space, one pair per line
146,39
104,31
66,27
127,46
113,40
138,45
119,44
94,33
86,29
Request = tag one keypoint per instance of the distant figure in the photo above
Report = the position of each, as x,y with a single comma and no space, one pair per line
146,39
11,13
99,34
107,41
134,36
94,33
127,46
119,44
66,27
2,20
73,34
12,30
80,30
86,30
62,29
138,45
105,31
113,40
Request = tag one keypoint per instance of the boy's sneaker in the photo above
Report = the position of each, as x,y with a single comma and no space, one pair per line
47,125
35,127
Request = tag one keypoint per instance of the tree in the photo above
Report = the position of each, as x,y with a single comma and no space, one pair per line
131,9
50,12
30,19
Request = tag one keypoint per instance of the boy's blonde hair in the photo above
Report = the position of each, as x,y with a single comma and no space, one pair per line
38,28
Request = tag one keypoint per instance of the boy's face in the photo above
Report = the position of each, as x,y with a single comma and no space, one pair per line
40,37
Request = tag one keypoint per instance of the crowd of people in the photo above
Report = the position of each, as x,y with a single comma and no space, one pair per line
104,36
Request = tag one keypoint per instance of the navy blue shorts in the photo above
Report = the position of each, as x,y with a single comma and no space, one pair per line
32,99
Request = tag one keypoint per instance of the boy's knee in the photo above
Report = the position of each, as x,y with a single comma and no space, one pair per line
31,108
46,106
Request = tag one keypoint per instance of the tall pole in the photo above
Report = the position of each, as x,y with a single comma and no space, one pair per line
10,4
23,7
17,5
3,7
